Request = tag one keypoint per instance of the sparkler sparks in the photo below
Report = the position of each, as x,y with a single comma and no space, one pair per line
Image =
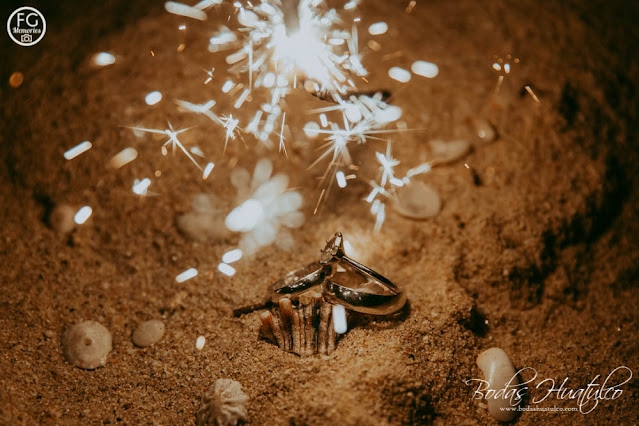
265,206
173,140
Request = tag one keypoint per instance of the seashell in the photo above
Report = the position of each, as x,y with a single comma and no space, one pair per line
148,333
500,373
304,330
417,200
224,405
87,344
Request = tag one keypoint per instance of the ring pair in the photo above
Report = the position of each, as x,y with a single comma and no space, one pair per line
344,281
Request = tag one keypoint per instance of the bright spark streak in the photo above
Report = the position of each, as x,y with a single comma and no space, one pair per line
77,150
226,269
232,256
186,275
82,215
207,170
173,140
184,10
123,158
140,187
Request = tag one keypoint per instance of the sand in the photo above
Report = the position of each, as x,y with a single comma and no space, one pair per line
534,251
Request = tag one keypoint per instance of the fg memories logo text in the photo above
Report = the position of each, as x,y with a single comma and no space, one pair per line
26,26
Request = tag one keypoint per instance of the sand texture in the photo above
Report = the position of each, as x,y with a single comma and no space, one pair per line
535,249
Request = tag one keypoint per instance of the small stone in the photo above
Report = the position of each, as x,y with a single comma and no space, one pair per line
61,218
500,374
485,131
448,152
417,200
148,333
87,344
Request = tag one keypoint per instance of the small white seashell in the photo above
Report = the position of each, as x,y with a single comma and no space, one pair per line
224,405
87,344
148,333
61,218
499,372
417,200
448,152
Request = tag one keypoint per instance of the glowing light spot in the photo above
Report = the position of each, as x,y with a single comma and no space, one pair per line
153,98
77,150
496,67
353,113
227,86
182,27
245,216
140,187
207,170
378,28
389,114
311,129
348,248
184,10
186,275
341,179
425,69
82,215
399,74
339,319
103,59
123,158
227,270
232,256
16,79
269,79
199,343
242,98
507,68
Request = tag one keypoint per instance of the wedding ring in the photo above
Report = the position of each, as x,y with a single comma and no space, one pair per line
300,280
334,252
360,293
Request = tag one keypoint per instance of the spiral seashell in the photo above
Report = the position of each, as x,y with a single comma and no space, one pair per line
224,405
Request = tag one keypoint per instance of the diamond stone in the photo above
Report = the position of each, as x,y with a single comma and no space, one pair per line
334,248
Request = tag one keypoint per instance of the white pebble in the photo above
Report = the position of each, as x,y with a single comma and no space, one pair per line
425,69
378,28
399,74
417,200
498,371
148,333
87,344
449,151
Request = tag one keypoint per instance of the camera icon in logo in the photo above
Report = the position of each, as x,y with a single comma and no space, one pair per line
26,38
